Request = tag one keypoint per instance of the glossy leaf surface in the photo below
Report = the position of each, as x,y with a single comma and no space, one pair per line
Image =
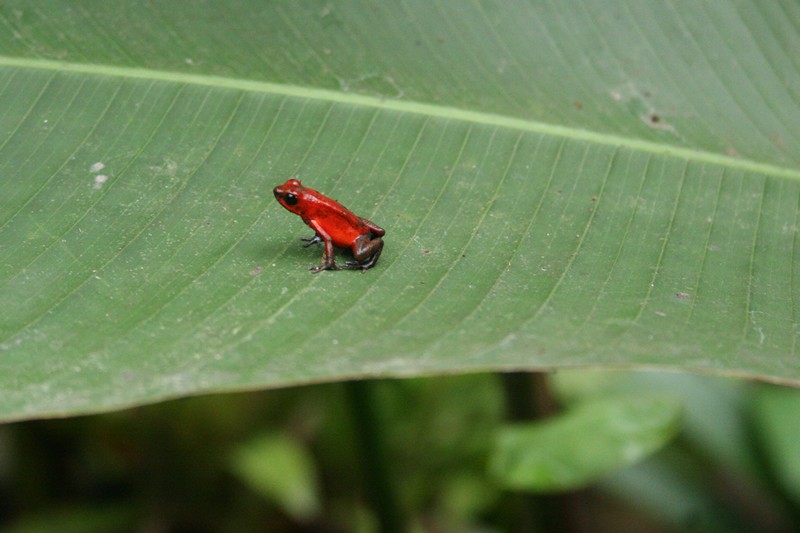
615,184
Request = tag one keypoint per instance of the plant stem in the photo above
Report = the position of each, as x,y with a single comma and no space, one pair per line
528,398
380,491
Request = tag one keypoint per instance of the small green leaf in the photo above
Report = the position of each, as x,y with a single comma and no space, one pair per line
714,409
584,444
280,469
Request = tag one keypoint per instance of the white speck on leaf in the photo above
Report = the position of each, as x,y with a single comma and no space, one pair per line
97,167
100,180
509,340
757,327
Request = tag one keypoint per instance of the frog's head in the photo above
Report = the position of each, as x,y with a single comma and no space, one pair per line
288,194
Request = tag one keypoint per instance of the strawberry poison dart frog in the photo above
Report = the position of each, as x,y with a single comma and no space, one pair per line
334,225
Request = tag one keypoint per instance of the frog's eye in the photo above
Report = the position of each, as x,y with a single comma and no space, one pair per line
290,199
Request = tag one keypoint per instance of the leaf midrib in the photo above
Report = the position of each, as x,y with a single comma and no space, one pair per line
413,107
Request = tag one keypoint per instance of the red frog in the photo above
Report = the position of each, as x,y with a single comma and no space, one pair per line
333,224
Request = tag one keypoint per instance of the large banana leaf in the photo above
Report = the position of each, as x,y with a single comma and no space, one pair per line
594,184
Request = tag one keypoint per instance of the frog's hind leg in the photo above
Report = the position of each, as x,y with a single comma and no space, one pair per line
366,252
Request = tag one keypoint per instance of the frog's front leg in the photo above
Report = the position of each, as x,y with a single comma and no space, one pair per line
366,250
328,258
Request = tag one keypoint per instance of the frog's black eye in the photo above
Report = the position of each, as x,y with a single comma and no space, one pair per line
290,199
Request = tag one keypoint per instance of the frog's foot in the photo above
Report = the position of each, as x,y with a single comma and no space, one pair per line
325,266
362,265
316,239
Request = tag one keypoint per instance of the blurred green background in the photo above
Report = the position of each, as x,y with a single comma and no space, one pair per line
290,460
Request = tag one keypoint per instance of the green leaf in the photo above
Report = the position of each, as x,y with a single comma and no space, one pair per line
775,416
281,470
610,185
584,444
715,410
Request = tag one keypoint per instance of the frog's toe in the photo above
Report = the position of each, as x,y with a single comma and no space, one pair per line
358,265
324,266
316,239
